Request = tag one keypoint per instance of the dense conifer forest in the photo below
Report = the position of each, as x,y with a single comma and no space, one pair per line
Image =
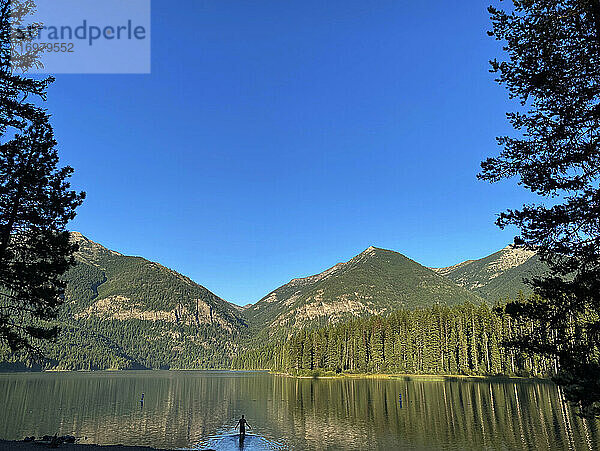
465,339
460,340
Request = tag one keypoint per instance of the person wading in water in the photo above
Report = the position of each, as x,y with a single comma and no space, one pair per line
242,423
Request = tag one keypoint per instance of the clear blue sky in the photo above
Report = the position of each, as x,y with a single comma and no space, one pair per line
273,139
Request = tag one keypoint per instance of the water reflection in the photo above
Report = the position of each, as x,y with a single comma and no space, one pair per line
200,409
230,440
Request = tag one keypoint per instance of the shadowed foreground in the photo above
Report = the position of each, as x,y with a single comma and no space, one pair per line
14,445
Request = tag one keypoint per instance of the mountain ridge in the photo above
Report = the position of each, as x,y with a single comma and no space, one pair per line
373,282
129,312
188,298
498,275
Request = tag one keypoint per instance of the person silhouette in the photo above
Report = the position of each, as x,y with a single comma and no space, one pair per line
242,423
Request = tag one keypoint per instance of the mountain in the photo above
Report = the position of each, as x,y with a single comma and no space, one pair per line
106,284
129,312
497,276
374,282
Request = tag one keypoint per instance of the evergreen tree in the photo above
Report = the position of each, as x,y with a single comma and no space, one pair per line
553,69
35,200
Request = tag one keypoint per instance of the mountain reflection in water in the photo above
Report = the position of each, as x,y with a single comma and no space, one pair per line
197,410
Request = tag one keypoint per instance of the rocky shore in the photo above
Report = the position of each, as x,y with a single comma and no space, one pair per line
40,445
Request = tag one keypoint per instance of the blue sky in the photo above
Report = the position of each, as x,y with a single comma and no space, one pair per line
273,139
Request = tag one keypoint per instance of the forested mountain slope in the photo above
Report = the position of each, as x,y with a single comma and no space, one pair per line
376,281
106,284
128,312
497,276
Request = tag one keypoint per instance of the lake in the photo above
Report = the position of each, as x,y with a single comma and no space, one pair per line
199,409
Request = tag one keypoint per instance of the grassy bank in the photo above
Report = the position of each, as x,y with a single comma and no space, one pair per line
406,377
306,374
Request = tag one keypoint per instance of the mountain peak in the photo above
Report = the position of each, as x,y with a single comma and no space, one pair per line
371,251
374,281
89,250
512,256
499,275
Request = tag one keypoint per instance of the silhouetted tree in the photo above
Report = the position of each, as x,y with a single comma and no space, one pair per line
553,69
35,199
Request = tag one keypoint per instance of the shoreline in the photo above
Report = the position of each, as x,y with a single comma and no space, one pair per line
422,377
7,445
386,376
26,446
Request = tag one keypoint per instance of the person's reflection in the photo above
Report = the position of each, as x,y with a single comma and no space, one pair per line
241,442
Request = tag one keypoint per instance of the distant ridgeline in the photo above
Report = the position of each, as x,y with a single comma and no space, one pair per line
378,312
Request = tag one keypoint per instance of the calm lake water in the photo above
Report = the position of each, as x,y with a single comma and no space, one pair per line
198,410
